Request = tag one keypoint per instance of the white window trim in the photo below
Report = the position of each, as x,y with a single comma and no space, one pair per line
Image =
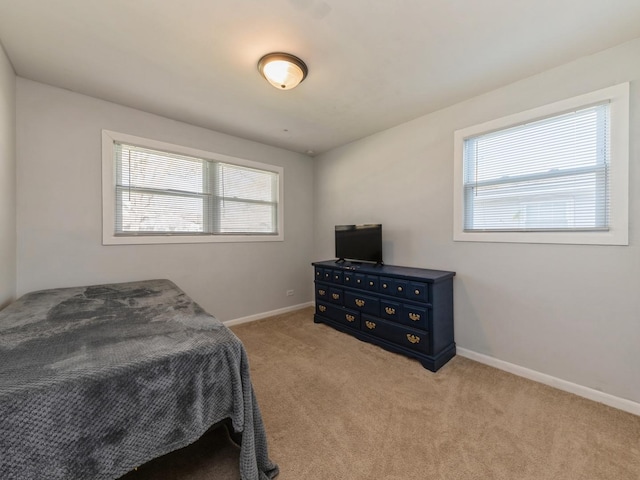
618,233
109,202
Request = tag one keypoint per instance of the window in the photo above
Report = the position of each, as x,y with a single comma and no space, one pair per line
556,174
160,193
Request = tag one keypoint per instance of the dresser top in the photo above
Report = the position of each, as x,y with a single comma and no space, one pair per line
387,270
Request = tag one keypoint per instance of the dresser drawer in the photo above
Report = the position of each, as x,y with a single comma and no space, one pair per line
398,334
359,280
372,283
414,316
418,292
335,296
326,275
339,314
319,272
336,276
361,302
390,310
322,292
348,279
399,288
386,285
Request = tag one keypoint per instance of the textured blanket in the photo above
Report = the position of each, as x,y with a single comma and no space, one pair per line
95,381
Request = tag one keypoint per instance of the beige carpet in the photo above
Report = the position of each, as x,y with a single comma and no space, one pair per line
338,408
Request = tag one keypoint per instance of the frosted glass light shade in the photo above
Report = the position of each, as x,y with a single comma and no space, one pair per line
282,70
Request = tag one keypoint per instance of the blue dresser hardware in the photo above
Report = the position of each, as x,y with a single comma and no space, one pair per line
402,309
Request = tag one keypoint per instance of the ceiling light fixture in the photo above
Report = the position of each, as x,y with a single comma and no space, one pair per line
282,70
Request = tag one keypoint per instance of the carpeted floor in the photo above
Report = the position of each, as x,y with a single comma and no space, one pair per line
338,408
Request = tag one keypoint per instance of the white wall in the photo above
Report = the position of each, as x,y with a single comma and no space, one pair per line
7,181
59,212
571,312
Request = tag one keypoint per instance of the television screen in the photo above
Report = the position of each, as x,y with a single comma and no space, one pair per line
359,242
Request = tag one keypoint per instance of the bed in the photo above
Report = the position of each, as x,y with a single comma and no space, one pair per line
97,380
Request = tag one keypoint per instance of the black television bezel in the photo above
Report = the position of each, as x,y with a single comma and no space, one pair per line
356,258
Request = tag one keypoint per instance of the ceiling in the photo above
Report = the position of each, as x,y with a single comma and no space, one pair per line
372,64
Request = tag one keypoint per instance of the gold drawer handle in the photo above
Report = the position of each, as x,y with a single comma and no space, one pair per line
322,308
390,311
370,325
399,289
335,296
322,293
359,302
416,291
350,318
414,316
413,338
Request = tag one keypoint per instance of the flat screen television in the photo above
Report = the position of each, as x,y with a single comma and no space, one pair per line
359,243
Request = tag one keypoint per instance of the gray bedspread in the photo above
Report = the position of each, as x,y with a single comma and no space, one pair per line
97,380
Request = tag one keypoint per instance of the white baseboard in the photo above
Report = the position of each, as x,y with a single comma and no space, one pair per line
580,390
259,316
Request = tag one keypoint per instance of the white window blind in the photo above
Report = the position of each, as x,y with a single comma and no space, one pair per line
546,175
164,193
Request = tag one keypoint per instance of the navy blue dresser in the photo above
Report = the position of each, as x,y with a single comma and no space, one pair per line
404,310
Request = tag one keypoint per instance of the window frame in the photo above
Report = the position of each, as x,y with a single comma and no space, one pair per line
109,237
618,231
